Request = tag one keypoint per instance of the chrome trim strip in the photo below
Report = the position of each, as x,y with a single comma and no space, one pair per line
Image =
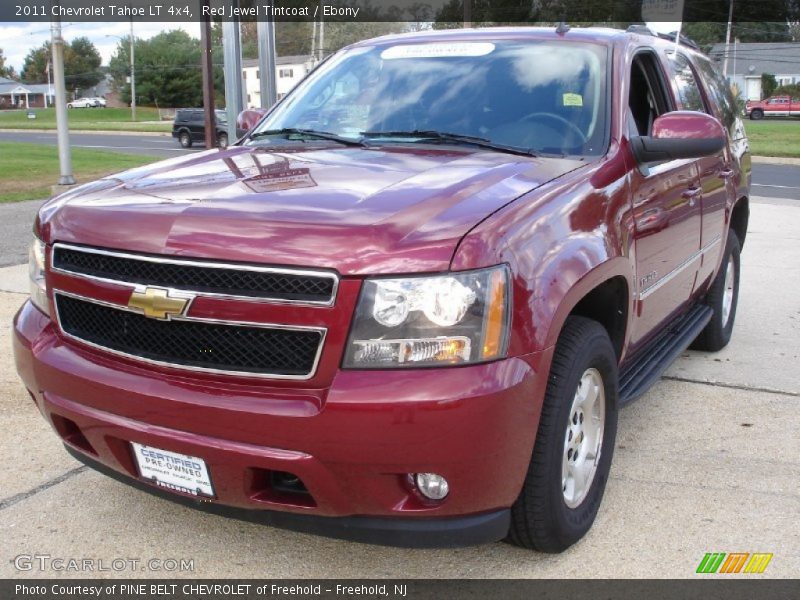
200,263
643,294
321,330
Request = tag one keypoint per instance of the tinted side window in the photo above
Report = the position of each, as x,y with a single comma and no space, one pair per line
689,94
719,92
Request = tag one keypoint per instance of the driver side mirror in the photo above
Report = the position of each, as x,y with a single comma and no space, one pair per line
679,134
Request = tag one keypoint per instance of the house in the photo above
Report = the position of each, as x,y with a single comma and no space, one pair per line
14,94
289,71
747,62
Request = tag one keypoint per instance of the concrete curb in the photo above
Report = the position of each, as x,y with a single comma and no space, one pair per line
99,132
776,160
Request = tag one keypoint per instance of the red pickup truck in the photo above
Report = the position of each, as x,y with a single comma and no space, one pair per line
407,305
775,106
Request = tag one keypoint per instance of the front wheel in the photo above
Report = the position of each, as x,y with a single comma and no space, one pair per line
574,444
723,298
185,139
222,141
756,115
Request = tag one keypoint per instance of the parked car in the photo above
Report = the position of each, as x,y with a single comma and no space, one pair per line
189,127
82,103
407,307
774,106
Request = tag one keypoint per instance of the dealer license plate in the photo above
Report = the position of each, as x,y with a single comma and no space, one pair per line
173,471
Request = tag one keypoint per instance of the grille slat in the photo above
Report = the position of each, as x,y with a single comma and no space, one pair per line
238,348
228,280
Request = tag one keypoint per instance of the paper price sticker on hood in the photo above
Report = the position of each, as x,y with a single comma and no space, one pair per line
438,50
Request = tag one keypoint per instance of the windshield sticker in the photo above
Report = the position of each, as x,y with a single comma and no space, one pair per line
570,99
438,50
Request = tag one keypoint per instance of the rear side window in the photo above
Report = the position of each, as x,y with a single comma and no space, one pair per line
689,94
719,92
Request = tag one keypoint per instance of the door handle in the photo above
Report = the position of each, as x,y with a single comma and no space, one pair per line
725,173
692,194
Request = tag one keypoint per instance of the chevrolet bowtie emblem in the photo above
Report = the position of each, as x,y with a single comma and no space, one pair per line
156,303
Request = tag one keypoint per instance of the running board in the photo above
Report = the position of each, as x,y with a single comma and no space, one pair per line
638,376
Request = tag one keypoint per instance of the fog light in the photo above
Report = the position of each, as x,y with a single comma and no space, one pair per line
432,486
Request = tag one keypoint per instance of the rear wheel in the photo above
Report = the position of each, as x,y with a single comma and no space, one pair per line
574,444
222,140
756,115
185,139
723,298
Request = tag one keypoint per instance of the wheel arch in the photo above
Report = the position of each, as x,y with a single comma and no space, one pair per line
603,295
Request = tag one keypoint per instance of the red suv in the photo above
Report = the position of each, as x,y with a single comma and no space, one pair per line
406,307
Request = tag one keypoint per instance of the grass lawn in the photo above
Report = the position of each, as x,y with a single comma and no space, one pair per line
28,170
89,119
774,138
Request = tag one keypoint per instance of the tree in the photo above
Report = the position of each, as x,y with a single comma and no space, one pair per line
81,64
168,70
768,84
5,71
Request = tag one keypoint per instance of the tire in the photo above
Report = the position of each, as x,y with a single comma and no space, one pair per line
222,140
723,298
70,106
548,515
757,115
185,139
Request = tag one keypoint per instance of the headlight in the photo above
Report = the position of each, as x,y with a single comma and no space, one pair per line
451,319
36,273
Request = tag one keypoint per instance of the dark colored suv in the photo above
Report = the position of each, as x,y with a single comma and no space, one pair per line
189,127
406,307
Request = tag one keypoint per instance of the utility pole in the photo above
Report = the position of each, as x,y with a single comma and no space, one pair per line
208,83
234,81
467,13
728,39
64,155
133,76
266,62
321,31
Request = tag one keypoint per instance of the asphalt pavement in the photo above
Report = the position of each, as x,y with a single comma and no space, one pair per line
160,146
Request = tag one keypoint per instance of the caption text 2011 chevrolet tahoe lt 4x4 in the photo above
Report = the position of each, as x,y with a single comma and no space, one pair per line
407,306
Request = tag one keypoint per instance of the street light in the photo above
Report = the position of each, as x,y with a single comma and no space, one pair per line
133,71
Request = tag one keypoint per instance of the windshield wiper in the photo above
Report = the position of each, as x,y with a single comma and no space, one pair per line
287,131
442,136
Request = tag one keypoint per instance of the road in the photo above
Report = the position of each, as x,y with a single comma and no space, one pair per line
159,146
778,181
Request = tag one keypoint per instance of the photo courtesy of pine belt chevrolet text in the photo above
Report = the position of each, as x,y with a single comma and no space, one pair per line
407,305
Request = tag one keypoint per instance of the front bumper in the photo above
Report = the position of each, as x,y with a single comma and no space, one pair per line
352,444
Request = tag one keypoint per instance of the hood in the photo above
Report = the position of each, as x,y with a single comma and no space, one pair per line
357,210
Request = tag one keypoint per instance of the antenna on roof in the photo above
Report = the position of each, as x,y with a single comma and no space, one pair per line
562,28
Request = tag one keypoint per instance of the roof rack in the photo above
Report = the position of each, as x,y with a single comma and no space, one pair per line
645,30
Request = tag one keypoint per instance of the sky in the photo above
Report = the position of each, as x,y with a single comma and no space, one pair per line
17,39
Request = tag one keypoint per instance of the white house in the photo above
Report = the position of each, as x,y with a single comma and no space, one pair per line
289,71
748,61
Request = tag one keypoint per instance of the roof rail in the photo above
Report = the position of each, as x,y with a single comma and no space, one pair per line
645,30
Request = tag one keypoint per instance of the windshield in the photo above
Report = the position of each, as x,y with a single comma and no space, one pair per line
544,97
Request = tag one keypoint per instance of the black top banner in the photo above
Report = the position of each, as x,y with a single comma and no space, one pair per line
476,12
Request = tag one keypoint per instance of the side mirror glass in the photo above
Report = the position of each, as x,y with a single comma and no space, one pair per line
248,119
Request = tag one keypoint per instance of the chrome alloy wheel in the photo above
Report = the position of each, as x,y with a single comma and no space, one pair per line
583,440
727,292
